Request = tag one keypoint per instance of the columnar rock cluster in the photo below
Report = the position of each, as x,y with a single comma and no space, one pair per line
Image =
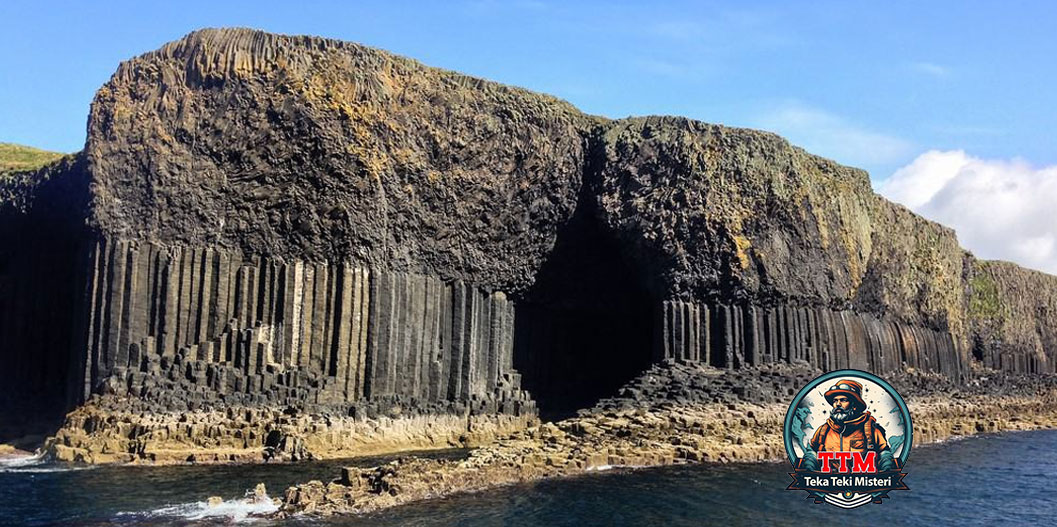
736,336
294,332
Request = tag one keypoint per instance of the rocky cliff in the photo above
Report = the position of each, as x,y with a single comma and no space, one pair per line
266,220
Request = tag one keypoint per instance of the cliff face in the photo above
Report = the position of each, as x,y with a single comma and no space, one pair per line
741,215
268,220
320,150
1014,316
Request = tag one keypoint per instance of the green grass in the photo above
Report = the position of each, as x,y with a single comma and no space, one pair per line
18,158
985,302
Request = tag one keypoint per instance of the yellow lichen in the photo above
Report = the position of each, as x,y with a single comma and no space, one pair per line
742,246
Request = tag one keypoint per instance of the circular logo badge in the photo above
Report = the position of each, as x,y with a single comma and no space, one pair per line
848,435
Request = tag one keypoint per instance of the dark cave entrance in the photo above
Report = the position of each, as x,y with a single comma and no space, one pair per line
586,326
37,288
978,348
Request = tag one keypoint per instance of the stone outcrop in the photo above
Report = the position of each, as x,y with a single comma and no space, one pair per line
116,431
736,336
292,333
687,414
320,150
1013,312
265,221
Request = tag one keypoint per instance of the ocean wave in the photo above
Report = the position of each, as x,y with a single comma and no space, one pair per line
37,464
46,469
947,440
604,468
21,461
249,509
601,468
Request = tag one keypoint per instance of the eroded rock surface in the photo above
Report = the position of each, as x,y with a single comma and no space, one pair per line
114,430
687,415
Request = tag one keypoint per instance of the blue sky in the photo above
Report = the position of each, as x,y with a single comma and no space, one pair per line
870,84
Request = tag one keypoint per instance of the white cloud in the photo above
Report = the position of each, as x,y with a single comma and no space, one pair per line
1001,209
829,135
930,68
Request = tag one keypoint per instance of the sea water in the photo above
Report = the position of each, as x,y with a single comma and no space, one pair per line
1002,479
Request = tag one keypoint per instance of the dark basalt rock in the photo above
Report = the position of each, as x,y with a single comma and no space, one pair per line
299,221
316,149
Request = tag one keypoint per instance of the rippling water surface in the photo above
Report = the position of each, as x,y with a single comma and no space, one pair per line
988,480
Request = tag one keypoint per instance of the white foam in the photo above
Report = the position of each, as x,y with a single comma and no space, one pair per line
46,469
37,464
949,439
21,461
245,510
601,468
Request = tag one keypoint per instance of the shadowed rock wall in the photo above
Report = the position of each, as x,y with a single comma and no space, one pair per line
1013,311
265,331
41,234
737,336
741,216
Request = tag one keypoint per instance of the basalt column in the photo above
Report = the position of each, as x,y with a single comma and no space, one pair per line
264,331
733,336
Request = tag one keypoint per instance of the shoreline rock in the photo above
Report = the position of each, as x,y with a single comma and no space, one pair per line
96,435
700,400
11,451
652,430
630,440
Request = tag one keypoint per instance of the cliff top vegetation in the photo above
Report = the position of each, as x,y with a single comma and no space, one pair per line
19,158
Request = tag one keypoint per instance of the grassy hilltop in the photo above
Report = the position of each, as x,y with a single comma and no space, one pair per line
18,158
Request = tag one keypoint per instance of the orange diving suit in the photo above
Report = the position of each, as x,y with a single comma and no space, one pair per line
861,434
